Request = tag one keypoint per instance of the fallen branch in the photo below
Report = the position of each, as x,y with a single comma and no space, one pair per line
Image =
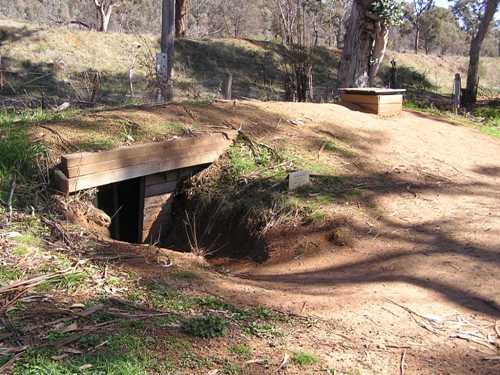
468,337
58,228
8,365
68,145
30,283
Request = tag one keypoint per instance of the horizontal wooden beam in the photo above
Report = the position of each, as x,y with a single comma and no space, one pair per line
88,170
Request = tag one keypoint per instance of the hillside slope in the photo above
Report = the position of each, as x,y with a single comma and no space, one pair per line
395,236
60,62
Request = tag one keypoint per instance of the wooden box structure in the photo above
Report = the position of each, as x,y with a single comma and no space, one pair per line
137,184
383,102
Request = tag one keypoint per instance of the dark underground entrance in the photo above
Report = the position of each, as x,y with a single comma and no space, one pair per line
122,202
153,210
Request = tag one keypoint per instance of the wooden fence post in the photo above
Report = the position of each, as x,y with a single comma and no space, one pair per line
131,81
457,92
228,86
2,81
393,84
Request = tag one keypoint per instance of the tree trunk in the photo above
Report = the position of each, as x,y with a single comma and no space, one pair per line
165,58
358,44
104,12
365,44
106,17
470,95
417,39
181,12
381,39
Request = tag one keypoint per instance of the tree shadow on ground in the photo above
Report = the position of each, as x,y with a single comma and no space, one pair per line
407,243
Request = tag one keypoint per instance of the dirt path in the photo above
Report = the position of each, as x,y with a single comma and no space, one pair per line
429,242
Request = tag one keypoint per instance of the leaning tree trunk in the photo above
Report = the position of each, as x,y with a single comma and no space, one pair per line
470,96
181,12
358,44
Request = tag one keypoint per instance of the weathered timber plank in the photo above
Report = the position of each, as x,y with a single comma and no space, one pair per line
157,213
390,109
121,158
162,178
371,91
166,187
148,168
390,99
359,99
140,227
366,107
84,158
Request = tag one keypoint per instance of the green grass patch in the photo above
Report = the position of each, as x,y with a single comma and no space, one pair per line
493,131
99,143
304,359
9,274
69,282
19,154
28,239
489,118
185,275
161,297
229,368
415,106
124,354
243,351
193,361
337,148
261,330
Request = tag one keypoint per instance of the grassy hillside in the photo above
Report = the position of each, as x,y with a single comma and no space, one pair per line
61,63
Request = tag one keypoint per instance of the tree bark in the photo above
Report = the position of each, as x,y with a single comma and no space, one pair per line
356,54
181,12
470,95
378,52
165,59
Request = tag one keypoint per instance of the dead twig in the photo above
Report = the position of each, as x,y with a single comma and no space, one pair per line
68,145
58,229
13,185
471,338
8,365
30,283
402,364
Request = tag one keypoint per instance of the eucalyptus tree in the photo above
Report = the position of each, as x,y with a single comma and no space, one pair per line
366,40
476,17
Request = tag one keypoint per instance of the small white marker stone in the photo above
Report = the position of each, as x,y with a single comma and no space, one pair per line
298,179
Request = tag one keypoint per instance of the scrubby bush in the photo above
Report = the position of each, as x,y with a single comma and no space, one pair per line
206,327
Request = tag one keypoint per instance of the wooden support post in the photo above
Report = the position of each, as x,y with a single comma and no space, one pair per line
131,81
164,61
457,92
228,86
115,220
2,81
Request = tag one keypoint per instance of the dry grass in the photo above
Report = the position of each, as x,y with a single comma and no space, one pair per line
201,65
440,70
